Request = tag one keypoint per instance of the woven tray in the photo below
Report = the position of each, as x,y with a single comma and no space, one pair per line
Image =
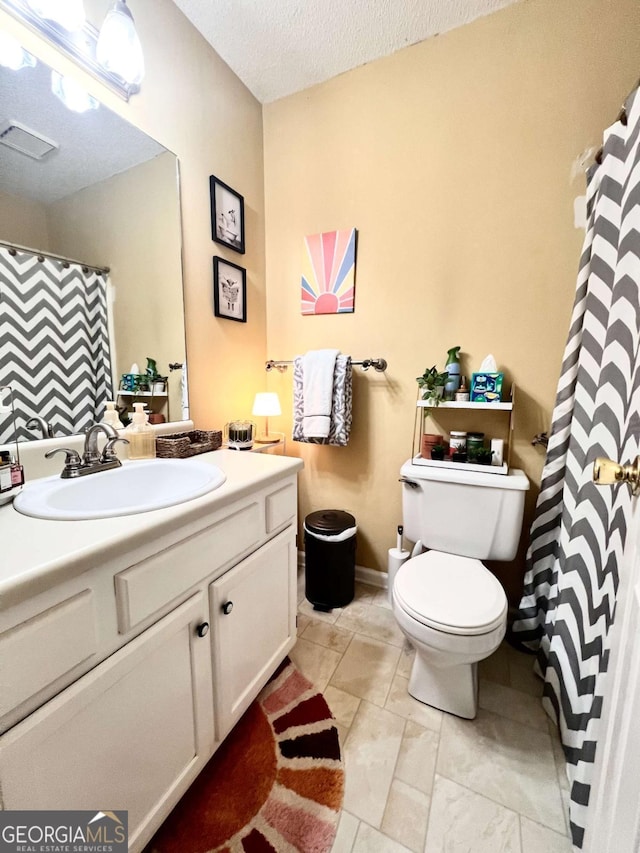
181,445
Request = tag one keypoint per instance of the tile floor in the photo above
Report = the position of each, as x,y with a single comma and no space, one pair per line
420,780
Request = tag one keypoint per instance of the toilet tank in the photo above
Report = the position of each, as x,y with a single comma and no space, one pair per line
463,512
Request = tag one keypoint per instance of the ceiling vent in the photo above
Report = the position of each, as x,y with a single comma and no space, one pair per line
26,141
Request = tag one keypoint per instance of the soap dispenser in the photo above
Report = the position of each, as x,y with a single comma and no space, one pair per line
141,436
111,416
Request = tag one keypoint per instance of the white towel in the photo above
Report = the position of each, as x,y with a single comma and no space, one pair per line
341,406
319,366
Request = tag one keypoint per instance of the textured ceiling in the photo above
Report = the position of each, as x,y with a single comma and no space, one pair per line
277,47
93,146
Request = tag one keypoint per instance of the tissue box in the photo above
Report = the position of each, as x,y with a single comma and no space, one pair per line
486,387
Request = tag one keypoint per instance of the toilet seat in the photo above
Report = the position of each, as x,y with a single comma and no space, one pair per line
452,594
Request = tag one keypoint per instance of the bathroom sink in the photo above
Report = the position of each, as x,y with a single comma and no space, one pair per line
138,486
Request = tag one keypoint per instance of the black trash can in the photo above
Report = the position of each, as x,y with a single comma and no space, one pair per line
330,558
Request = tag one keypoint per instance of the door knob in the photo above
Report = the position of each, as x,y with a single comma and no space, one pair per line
606,472
227,607
203,629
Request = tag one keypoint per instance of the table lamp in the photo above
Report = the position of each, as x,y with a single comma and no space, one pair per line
265,404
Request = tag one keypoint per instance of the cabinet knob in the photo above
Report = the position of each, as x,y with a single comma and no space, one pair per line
227,607
203,629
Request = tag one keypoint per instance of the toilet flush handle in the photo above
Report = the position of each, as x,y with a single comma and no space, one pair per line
411,483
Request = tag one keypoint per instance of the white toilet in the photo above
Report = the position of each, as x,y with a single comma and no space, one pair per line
453,609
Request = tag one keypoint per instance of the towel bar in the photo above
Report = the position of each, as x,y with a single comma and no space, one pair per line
379,364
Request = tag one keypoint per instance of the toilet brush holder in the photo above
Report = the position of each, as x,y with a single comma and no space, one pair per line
397,556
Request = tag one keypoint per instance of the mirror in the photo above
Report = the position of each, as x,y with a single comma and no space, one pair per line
107,196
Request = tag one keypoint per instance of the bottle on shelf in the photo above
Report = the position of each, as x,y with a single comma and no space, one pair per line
452,367
141,436
462,394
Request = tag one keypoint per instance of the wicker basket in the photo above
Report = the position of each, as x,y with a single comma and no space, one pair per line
181,445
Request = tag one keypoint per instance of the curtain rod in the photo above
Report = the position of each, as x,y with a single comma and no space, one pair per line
15,247
379,364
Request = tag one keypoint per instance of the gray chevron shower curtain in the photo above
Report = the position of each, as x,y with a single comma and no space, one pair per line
54,343
579,530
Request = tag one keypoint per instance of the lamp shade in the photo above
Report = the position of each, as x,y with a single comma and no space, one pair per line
72,94
266,404
13,55
118,49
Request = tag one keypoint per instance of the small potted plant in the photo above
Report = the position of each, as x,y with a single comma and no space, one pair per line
483,456
156,383
432,384
437,452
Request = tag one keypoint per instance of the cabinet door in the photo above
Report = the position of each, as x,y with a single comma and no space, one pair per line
131,734
253,608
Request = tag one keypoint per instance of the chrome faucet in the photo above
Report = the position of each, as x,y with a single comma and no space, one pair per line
92,460
90,454
39,423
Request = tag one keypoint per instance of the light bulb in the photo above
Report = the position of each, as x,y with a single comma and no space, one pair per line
68,13
13,55
118,49
72,95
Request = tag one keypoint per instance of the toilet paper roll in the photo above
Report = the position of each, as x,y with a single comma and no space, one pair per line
397,557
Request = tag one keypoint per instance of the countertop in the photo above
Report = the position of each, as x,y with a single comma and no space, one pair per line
37,553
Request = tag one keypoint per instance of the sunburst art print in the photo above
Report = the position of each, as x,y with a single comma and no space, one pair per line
328,272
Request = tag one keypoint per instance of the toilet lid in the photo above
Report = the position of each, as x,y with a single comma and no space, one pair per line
457,595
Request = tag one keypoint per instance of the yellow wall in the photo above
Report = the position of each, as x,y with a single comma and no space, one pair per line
455,159
194,105
23,222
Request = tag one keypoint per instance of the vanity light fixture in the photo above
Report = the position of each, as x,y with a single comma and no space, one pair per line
69,14
13,55
63,24
266,404
118,49
72,94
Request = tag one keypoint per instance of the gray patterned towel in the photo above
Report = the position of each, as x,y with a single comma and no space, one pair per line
341,405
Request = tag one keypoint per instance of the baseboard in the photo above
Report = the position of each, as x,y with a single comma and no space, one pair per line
363,574
371,577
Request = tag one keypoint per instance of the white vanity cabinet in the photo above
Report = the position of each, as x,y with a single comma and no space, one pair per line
131,734
253,609
159,653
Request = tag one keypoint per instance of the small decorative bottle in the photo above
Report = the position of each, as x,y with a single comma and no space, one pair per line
17,473
111,416
141,436
462,394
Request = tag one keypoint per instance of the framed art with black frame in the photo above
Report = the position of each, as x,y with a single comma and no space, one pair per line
227,215
229,290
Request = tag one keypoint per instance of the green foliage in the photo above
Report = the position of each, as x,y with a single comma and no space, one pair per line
483,456
432,383
152,370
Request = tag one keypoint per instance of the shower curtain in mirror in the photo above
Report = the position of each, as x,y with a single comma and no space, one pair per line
54,343
579,529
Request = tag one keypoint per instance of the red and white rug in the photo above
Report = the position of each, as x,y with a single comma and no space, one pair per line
274,786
